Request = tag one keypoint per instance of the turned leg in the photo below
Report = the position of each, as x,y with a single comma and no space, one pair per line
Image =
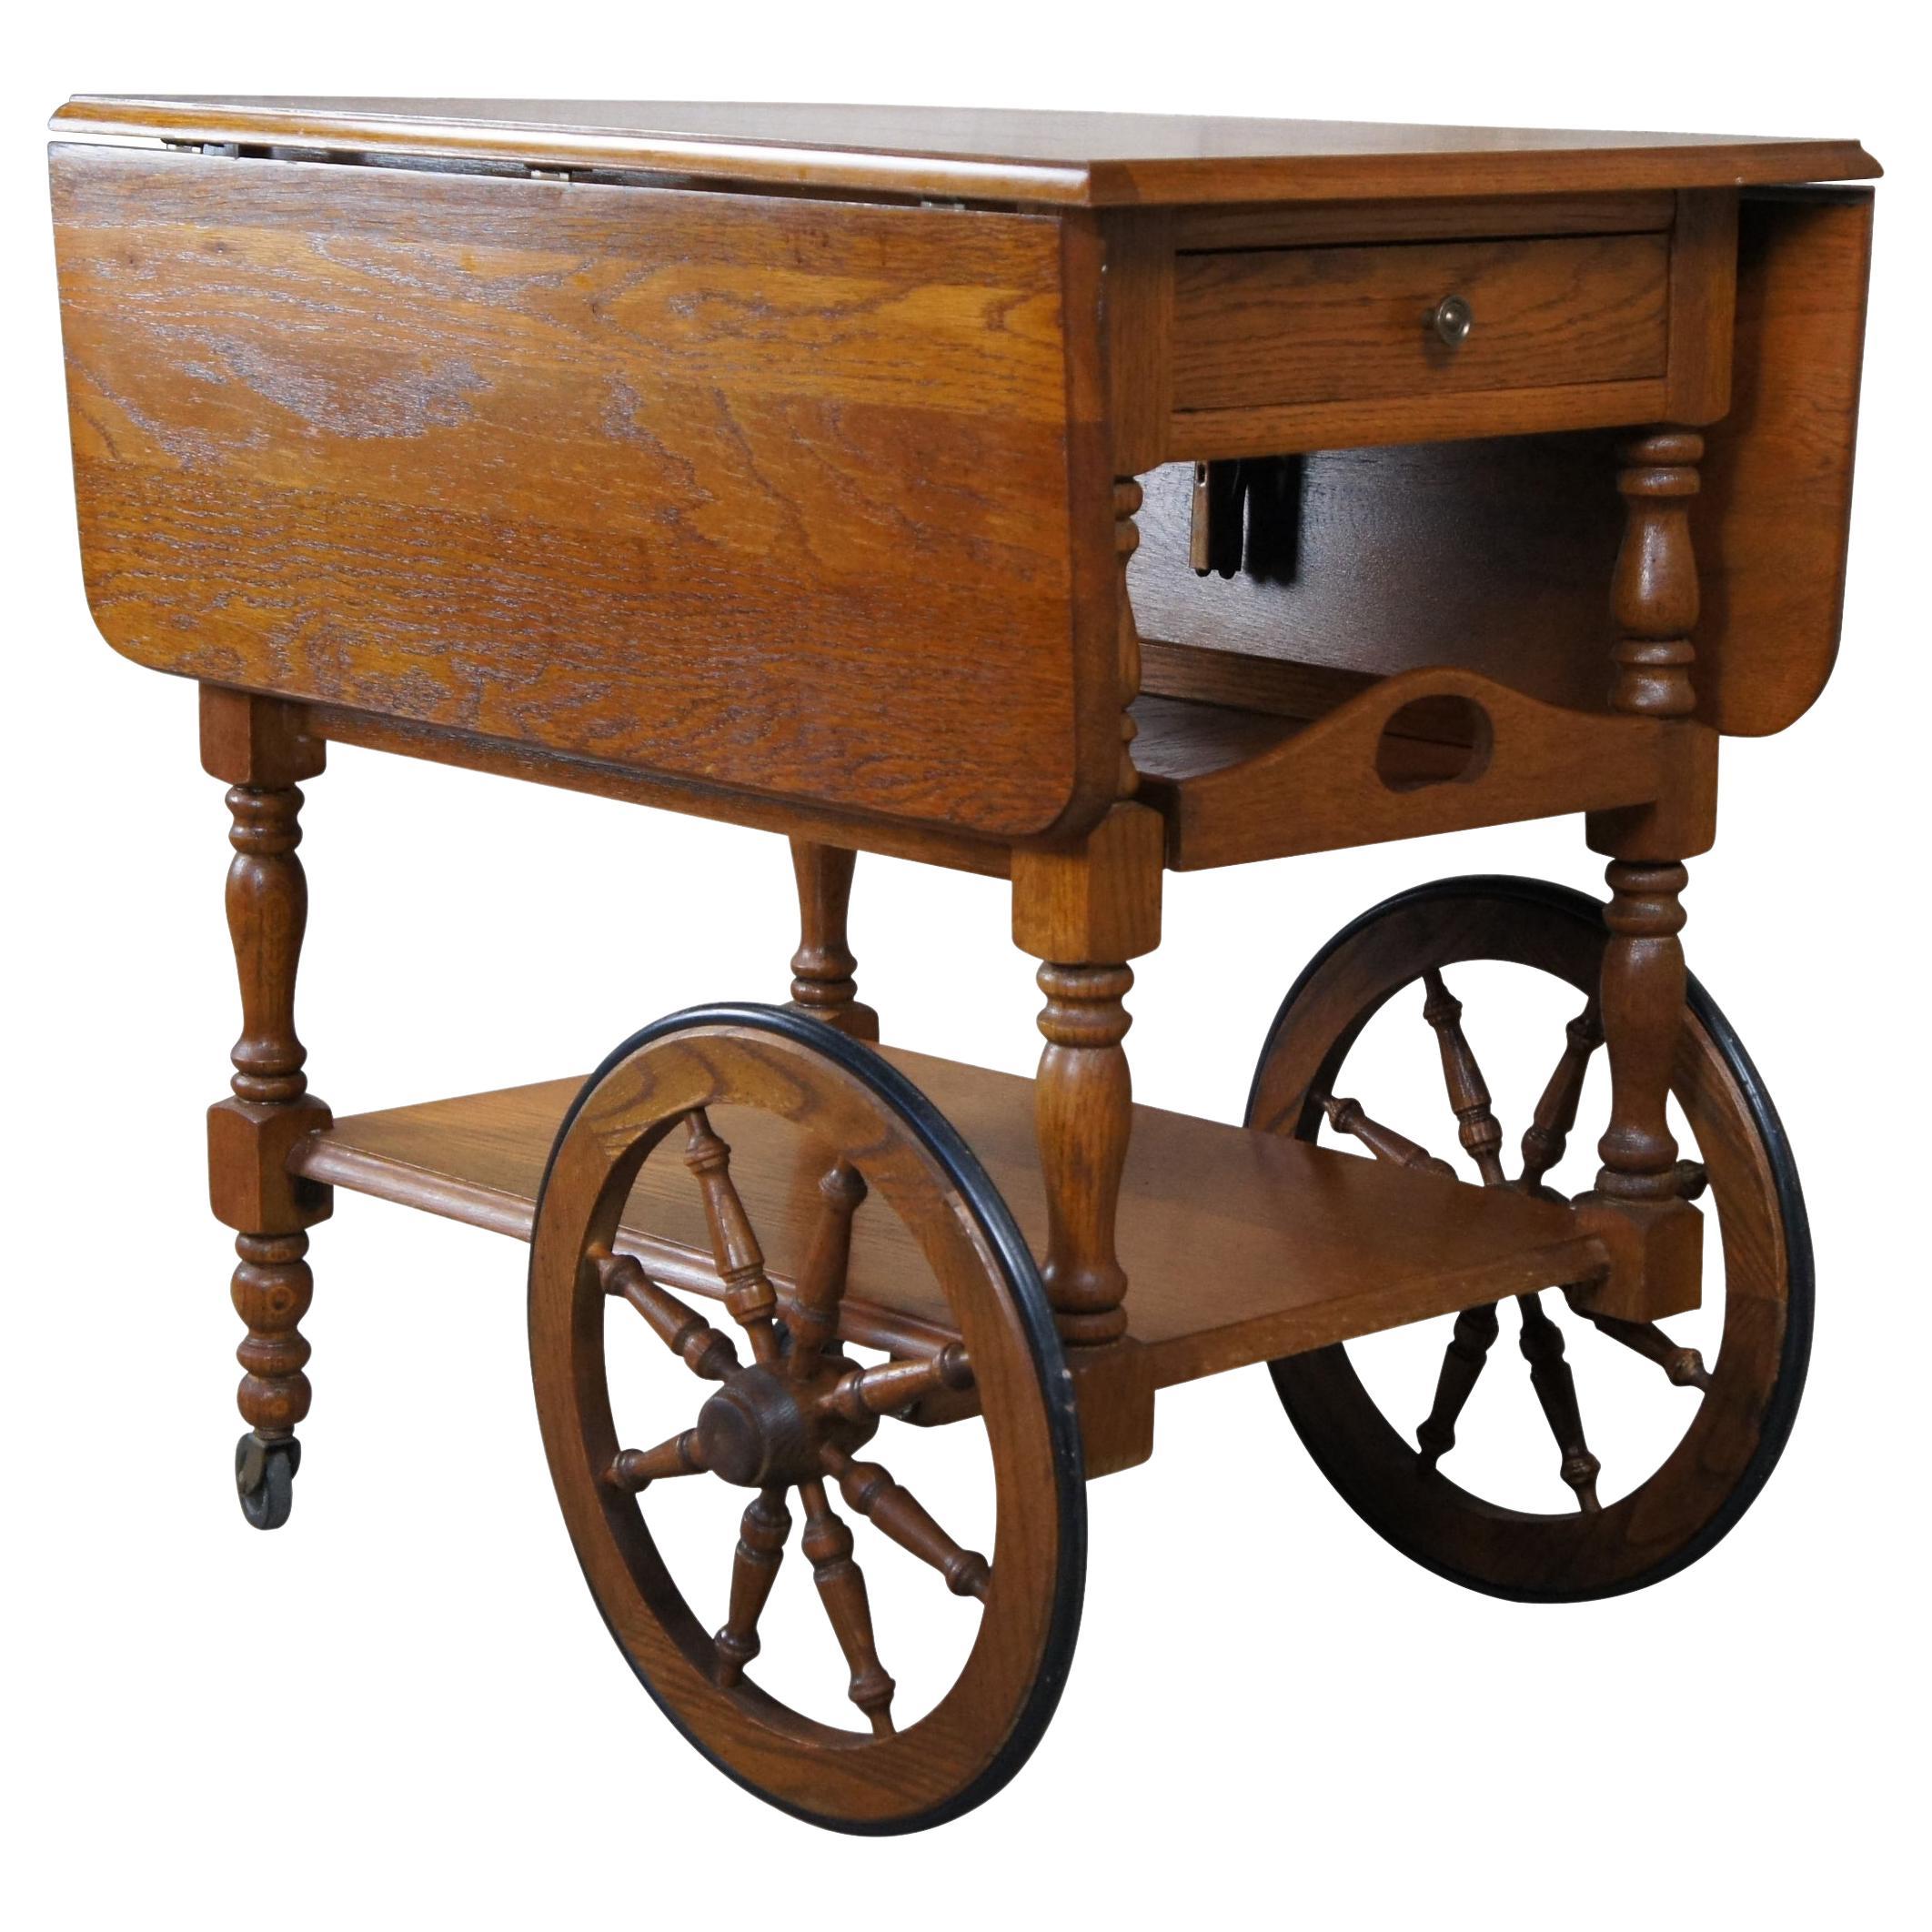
822,984
1643,988
258,746
1654,601
1083,1107
1084,912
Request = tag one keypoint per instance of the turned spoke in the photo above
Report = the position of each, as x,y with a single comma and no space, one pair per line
682,1330
1475,1124
828,1545
761,1534
1542,1343
898,1384
872,1492
1345,1116
1684,1366
748,1293
812,1314
1463,1360
634,1468
1544,1139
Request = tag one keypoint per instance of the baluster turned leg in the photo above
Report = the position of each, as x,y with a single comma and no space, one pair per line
1085,909
258,746
822,984
1083,1111
1085,913
1644,984
1654,601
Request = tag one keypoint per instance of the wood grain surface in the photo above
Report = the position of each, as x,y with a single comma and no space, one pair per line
1306,225
1772,524
1083,159
757,493
1239,1246
1496,554
1237,786
1277,326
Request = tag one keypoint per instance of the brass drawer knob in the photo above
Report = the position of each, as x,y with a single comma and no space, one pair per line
1453,321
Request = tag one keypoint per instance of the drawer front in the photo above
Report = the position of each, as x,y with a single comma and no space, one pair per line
1274,327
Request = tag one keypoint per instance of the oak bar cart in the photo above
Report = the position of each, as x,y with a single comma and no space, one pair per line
1060,498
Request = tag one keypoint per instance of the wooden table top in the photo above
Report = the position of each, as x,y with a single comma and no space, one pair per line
983,154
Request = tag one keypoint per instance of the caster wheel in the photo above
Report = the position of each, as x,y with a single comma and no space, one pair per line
765,1140
264,1479
1728,1418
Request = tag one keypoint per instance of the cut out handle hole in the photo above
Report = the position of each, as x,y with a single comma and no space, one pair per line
1434,741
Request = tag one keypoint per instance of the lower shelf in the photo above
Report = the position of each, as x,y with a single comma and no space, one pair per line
1238,1246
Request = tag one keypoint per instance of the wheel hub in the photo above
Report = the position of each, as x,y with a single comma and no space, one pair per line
763,1428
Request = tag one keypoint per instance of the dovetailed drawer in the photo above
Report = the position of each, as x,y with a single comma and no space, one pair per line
1275,329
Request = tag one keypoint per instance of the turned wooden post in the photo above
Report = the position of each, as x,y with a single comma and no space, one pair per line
1084,1112
1654,601
1083,911
1644,983
821,969
1654,594
258,746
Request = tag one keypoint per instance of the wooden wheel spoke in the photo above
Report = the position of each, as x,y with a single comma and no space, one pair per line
1463,1360
1468,1095
762,1533
872,1492
1544,1139
1542,1342
677,1455
1684,1366
812,1312
748,1292
898,1384
682,1329
791,1098
828,1543
1345,1116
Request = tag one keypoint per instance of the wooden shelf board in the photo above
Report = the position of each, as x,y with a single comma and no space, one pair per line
1239,1246
1177,739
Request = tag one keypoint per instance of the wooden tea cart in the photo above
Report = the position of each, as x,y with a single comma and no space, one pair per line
1065,499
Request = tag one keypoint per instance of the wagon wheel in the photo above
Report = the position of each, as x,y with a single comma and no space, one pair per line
789,1422
1737,1409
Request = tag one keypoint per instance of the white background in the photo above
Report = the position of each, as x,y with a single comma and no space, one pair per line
402,1709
